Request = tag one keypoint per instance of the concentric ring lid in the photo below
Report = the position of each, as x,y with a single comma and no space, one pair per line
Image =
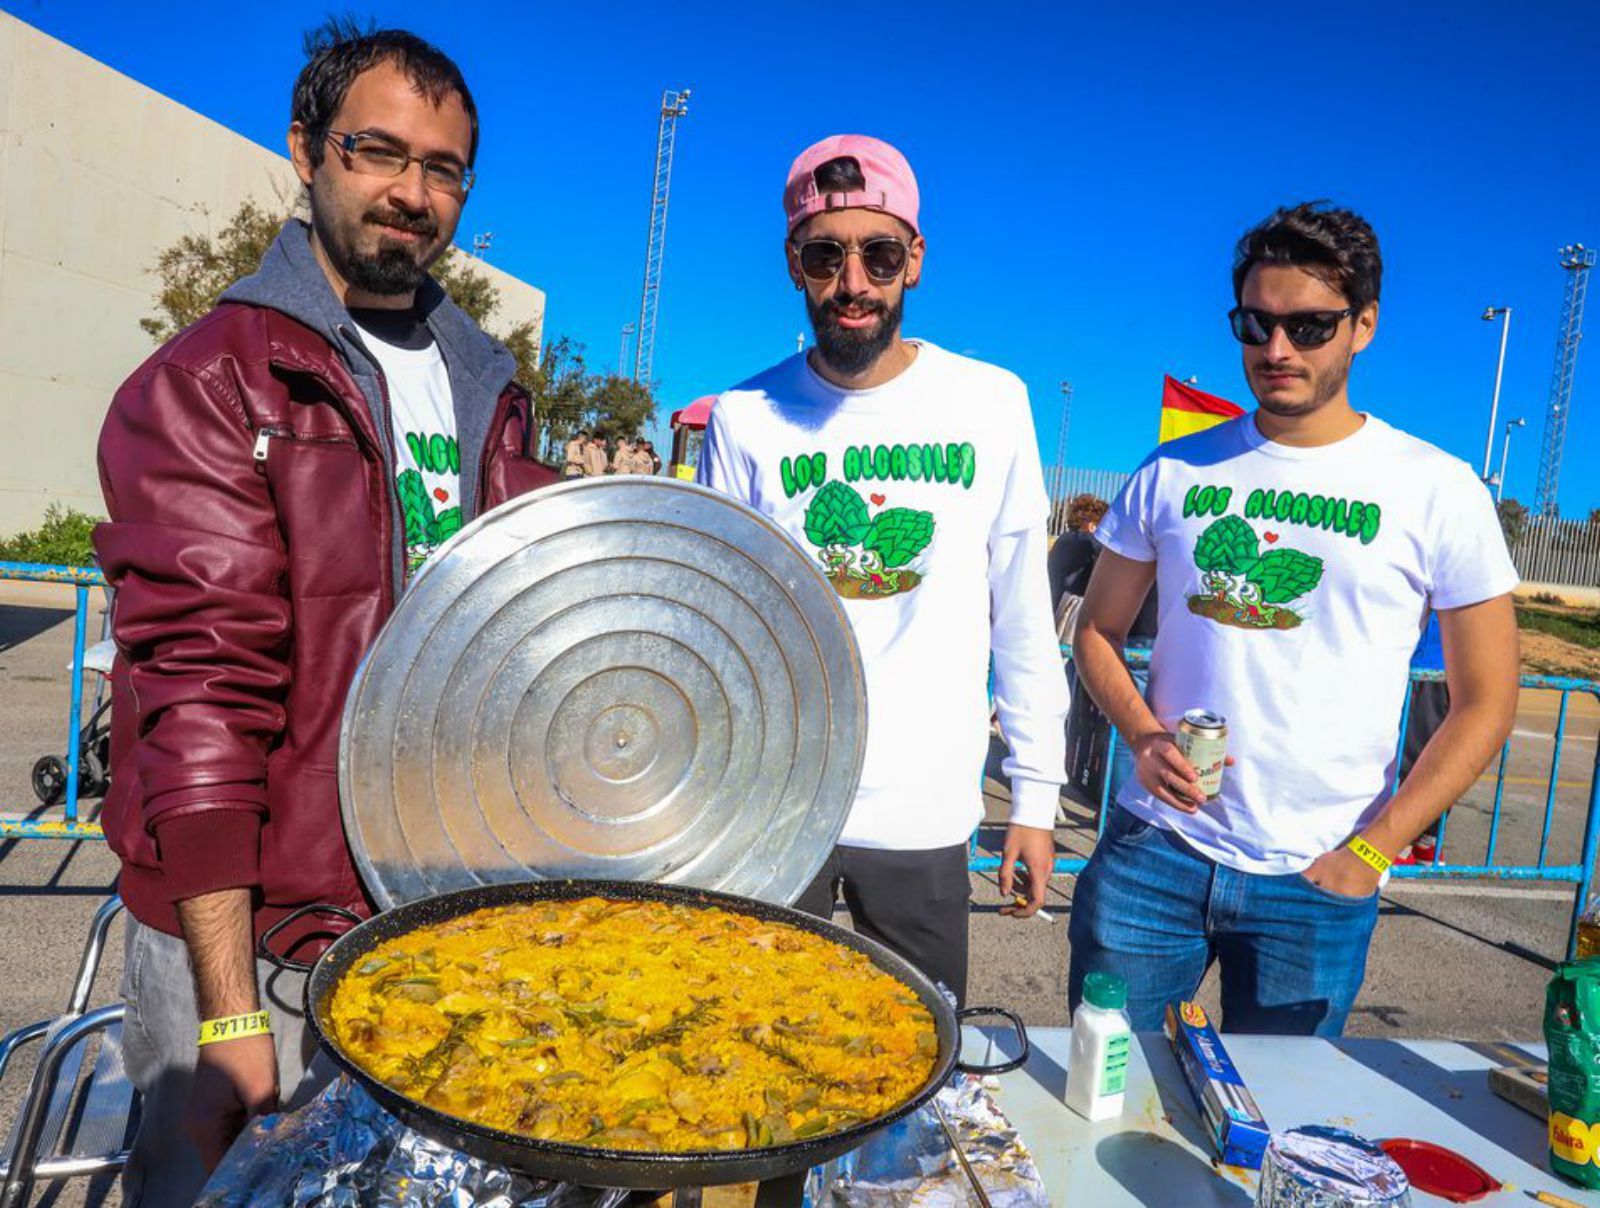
635,679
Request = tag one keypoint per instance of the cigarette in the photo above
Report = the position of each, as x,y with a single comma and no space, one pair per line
1018,899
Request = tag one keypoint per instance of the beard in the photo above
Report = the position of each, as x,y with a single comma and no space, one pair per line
853,350
392,267
1323,388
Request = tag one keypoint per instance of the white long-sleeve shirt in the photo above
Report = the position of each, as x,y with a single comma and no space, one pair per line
922,500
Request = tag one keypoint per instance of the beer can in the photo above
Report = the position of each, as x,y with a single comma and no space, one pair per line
1203,738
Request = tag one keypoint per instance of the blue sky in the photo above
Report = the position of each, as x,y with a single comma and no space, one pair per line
1084,174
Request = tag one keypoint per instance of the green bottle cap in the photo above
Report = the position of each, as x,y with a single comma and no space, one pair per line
1106,991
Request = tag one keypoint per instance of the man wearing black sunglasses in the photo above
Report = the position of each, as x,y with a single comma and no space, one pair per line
1299,551
913,475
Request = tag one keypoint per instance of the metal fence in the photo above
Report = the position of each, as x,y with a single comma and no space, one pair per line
1063,482
1579,874
36,824
1552,550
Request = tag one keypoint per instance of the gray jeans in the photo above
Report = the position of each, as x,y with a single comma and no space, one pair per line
158,1045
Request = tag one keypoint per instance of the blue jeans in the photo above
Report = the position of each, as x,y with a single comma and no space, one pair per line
1156,912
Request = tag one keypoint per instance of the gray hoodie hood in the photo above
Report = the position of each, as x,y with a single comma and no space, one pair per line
480,367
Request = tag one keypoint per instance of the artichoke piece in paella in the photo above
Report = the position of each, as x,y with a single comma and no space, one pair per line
635,1025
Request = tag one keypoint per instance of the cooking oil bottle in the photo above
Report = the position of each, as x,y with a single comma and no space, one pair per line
1589,929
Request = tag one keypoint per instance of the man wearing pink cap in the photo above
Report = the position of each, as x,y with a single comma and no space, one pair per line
913,477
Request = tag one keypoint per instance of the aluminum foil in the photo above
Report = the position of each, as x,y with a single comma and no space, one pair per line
911,1163
1318,1167
342,1150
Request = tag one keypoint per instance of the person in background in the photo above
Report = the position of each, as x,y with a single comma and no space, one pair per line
1299,550
655,458
1430,705
274,474
596,464
572,454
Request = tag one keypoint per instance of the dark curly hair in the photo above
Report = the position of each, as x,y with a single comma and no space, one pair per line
340,50
1084,510
1336,246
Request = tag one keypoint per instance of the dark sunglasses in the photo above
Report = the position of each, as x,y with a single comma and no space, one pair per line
1305,328
884,258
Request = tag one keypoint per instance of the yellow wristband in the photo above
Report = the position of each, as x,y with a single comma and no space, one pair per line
1369,853
235,1027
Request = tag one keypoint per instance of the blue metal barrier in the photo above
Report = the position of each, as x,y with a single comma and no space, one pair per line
68,826
1579,875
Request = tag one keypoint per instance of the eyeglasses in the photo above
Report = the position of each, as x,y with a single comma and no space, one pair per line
1305,328
883,257
371,155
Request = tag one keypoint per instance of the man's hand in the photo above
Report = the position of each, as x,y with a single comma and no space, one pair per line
1343,872
1036,848
233,1081
1166,774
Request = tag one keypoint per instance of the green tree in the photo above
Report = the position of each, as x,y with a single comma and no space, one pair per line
197,268
1513,517
619,406
560,392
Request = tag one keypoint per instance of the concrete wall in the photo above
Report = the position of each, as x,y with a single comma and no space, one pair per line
97,174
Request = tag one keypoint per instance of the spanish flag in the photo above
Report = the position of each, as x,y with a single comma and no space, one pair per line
1185,409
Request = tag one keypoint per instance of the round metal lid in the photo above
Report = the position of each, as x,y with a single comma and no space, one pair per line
632,679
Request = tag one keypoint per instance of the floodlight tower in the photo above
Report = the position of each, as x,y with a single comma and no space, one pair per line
674,104
1577,260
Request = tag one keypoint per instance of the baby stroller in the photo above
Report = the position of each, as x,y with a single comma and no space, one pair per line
94,739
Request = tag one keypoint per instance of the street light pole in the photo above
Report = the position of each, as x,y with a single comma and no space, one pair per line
1505,449
1490,314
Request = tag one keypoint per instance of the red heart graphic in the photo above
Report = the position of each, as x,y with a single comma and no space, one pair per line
877,500
1269,538
440,494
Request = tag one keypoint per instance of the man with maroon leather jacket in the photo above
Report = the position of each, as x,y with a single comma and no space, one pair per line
274,475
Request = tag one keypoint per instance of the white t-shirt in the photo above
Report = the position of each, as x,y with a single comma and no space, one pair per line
1293,585
923,502
427,458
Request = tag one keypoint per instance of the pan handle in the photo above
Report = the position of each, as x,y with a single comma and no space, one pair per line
1016,1026
264,945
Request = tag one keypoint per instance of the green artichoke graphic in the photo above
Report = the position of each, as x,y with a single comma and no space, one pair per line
1283,574
899,535
1229,545
837,516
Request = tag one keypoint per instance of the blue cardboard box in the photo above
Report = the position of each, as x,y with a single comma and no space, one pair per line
1226,1106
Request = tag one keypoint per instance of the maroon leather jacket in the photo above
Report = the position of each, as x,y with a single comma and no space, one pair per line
252,543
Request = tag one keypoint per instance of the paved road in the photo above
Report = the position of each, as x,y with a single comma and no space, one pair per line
1460,960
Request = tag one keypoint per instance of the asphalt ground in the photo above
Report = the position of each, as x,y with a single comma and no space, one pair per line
1450,959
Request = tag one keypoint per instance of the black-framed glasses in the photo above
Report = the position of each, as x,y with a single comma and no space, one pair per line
1305,328
883,257
373,155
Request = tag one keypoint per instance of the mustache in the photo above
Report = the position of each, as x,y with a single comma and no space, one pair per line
839,303
1268,367
417,224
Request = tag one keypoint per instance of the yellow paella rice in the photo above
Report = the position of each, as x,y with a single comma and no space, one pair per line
635,1025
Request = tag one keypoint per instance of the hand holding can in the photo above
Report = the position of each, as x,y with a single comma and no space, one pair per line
1202,736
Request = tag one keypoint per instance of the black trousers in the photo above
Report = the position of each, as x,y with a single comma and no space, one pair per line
913,902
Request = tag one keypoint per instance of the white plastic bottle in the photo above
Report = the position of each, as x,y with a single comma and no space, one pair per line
1097,1068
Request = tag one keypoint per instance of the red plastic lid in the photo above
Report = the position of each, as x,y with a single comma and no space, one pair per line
1440,1171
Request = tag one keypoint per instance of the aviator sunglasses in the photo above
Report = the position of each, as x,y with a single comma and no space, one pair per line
1305,328
884,258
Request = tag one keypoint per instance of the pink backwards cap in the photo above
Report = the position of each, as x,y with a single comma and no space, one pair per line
889,184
